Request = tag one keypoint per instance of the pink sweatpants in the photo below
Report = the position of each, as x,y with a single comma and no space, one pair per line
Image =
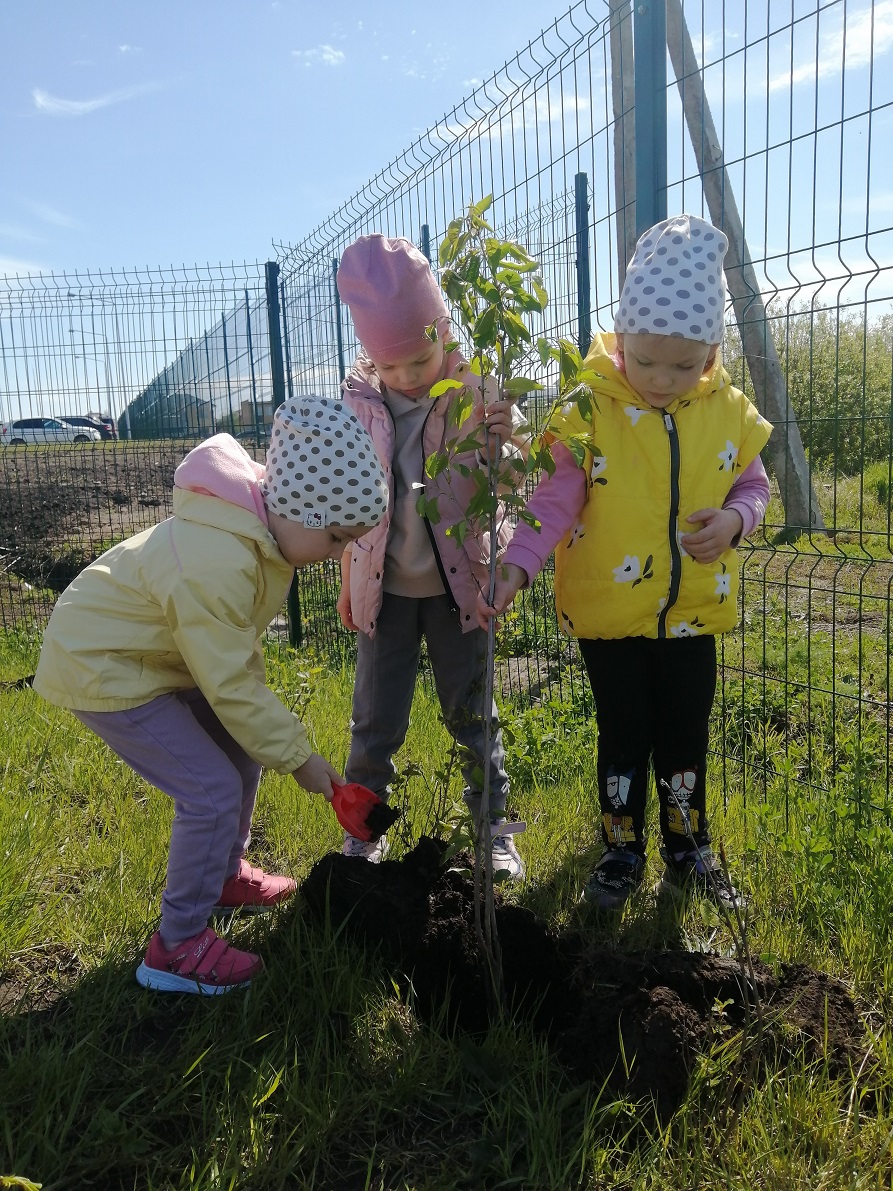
178,744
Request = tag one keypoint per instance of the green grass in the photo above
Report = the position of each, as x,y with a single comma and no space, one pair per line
321,1076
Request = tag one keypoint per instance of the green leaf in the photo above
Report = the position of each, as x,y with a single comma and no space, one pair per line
459,531
519,385
529,519
484,328
427,507
515,326
444,386
483,206
546,351
435,464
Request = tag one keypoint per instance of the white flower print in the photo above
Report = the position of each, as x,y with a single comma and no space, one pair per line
684,630
634,413
599,464
723,584
579,532
728,456
680,534
629,570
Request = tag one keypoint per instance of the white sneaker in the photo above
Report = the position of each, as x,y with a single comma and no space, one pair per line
502,848
374,850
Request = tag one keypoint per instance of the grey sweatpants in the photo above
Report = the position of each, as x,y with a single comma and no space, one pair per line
387,668
178,744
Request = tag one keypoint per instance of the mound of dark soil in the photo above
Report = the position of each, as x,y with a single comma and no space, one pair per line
633,1020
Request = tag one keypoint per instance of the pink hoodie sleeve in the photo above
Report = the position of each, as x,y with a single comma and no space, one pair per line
749,496
556,504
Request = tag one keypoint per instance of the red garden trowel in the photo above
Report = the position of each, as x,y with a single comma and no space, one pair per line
361,813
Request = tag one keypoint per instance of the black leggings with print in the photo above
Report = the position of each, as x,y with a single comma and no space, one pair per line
653,699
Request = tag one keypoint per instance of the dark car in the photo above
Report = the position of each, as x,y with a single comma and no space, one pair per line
106,426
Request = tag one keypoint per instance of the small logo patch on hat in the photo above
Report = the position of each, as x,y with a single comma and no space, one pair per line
314,519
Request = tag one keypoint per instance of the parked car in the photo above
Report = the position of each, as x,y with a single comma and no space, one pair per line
106,426
44,430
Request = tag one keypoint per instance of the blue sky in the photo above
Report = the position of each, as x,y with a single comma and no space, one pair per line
185,131
142,134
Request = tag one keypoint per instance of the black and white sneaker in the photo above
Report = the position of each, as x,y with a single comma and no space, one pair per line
506,858
699,873
614,879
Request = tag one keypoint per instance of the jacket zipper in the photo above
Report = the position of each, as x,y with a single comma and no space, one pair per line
675,555
454,606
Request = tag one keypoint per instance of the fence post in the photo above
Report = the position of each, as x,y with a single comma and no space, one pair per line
426,242
339,340
624,104
274,326
650,70
277,382
581,202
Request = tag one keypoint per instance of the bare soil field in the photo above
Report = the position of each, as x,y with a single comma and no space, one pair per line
62,506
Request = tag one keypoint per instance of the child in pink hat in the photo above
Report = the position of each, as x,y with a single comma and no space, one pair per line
408,580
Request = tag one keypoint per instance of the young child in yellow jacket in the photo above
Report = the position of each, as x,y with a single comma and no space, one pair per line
156,647
646,571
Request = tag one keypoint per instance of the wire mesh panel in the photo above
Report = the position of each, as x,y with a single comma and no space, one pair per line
777,121
165,354
777,114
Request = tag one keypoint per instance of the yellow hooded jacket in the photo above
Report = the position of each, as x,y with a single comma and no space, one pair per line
181,605
622,571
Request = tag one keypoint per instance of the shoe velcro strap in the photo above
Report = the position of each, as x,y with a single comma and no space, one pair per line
206,962
507,828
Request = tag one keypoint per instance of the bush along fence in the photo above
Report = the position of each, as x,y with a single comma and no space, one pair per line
612,116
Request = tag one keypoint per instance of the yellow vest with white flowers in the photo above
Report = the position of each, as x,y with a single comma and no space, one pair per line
621,571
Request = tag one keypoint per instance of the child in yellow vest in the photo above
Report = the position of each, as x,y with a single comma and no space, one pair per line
646,571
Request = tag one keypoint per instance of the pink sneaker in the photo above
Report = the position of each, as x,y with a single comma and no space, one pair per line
253,890
205,964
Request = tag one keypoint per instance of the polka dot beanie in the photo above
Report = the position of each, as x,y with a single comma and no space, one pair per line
392,295
675,283
322,468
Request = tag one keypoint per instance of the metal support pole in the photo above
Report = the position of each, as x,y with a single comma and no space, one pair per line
624,104
650,32
339,340
274,327
426,242
581,202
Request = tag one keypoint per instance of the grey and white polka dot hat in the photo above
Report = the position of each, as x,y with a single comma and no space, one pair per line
322,468
675,283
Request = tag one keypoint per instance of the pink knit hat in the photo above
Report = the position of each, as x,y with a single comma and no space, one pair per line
392,295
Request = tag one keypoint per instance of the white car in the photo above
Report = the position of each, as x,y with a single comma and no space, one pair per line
43,430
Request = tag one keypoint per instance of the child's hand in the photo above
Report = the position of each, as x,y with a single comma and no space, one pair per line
316,776
720,528
509,581
343,607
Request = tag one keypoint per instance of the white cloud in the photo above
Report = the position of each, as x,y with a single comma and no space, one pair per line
10,231
869,35
325,54
130,49
50,215
52,106
11,267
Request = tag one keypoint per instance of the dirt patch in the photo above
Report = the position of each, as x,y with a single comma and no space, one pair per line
634,1021
61,507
